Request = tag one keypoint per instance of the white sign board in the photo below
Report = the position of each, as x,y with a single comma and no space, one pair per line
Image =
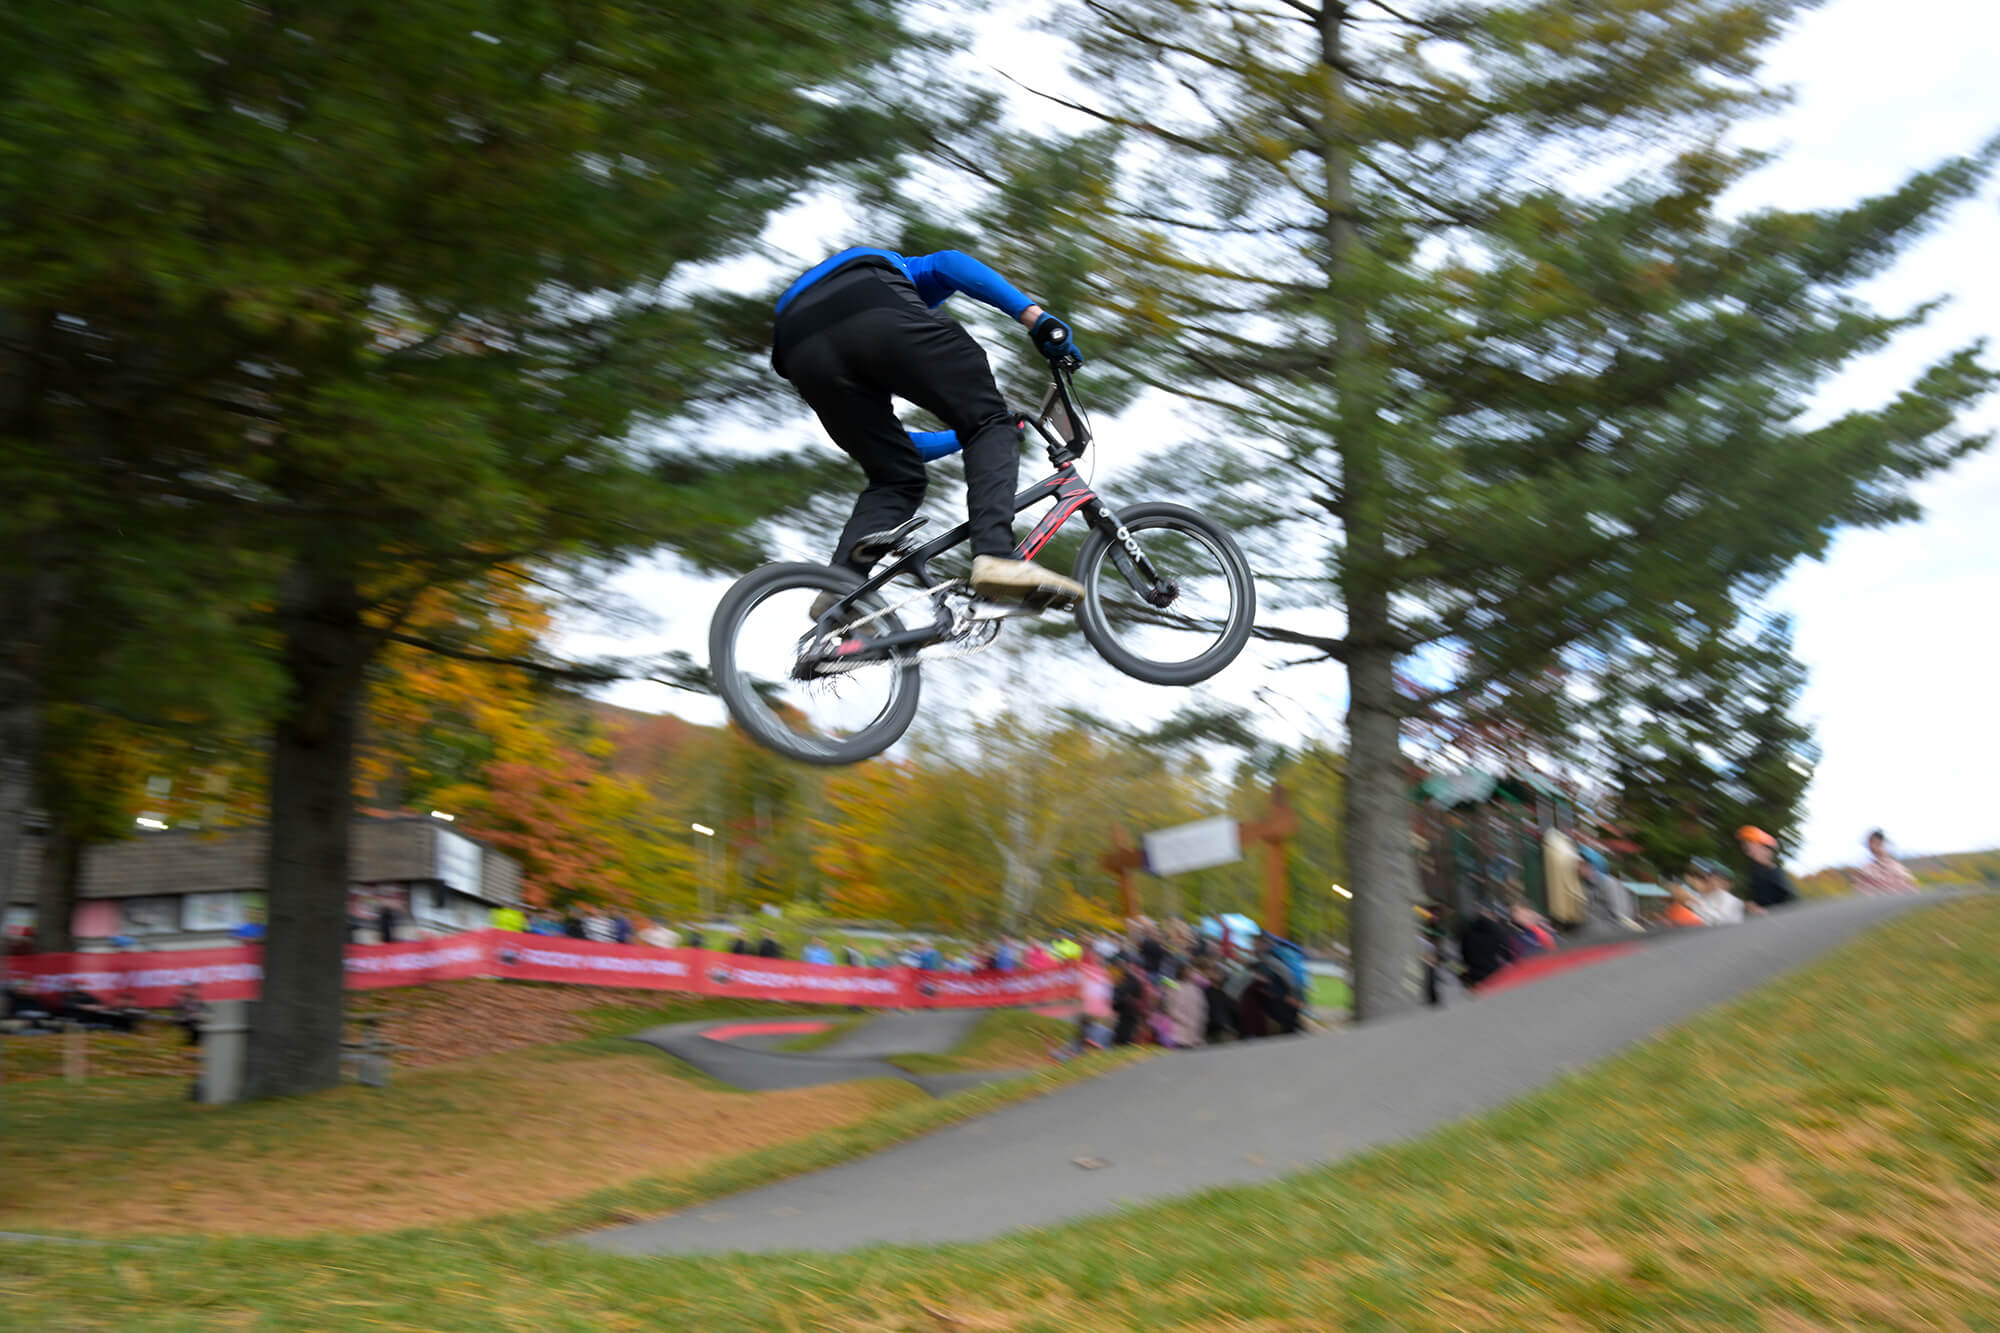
212,911
457,862
1196,846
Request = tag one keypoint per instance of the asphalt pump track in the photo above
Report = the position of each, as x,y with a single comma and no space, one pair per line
744,1054
1245,1112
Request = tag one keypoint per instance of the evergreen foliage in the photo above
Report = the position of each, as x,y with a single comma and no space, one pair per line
1460,281
400,295
1703,739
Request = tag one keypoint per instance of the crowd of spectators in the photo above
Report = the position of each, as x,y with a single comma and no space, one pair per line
27,1010
1584,896
1171,984
1154,983
1005,953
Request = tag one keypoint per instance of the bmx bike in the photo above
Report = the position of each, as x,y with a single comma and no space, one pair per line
1167,598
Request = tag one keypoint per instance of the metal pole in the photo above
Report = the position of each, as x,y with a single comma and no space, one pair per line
76,1052
224,1044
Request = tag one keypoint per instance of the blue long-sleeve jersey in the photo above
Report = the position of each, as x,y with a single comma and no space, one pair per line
934,444
934,276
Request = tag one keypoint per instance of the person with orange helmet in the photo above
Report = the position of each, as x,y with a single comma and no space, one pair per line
1769,885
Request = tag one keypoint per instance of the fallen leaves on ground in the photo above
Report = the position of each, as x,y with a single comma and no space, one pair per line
496,1135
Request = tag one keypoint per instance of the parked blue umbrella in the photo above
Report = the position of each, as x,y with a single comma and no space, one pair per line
1240,927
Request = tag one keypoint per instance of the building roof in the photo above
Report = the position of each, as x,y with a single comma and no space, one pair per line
382,851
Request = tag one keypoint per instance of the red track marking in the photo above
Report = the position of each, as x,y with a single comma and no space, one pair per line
731,1031
1548,964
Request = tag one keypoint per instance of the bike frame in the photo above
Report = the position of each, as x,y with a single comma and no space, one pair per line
1065,437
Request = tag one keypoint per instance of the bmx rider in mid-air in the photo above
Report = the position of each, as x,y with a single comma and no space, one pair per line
862,327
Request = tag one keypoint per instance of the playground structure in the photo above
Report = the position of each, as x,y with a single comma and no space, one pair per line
1477,837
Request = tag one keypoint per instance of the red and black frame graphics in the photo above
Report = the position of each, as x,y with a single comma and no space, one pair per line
1071,494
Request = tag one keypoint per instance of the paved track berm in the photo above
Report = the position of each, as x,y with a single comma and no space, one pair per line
750,1063
1252,1111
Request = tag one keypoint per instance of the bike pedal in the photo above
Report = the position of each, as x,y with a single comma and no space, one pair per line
1048,599
1033,605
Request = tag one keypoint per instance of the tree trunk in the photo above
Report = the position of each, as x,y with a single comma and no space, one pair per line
1381,870
23,606
295,1034
55,894
17,743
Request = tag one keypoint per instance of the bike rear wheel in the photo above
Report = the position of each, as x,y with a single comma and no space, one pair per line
795,701
1209,596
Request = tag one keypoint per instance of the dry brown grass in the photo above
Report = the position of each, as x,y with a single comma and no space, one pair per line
155,1051
492,1136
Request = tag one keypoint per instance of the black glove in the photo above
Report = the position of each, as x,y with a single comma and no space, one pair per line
1054,341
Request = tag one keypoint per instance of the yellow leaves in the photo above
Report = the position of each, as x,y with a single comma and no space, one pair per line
1270,147
432,719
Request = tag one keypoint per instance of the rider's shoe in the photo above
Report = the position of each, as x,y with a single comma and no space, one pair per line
1003,580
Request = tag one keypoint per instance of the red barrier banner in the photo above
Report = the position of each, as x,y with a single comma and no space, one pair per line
591,963
374,966
147,980
235,972
806,983
963,990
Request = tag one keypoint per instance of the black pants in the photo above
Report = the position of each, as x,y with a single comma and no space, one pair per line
849,371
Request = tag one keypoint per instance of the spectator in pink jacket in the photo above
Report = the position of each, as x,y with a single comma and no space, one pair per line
1093,1019
1186,1008
1883,873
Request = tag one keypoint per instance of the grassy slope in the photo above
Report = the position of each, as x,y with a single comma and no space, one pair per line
1823,1152
437,1023
483,1136
1003,1039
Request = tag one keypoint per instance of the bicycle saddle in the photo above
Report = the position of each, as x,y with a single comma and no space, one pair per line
869,549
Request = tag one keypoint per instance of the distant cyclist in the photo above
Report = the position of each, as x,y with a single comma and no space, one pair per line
862,327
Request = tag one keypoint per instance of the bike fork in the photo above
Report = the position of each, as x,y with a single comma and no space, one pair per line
1130,557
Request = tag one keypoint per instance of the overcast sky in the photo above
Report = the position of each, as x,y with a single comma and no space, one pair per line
1897,627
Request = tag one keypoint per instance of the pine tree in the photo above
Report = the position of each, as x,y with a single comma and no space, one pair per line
400,294
1458,280
1702,739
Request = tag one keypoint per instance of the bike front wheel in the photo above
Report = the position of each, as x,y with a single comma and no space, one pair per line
787,688
1184,623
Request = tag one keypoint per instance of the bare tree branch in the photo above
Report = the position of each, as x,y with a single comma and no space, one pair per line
1335,649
